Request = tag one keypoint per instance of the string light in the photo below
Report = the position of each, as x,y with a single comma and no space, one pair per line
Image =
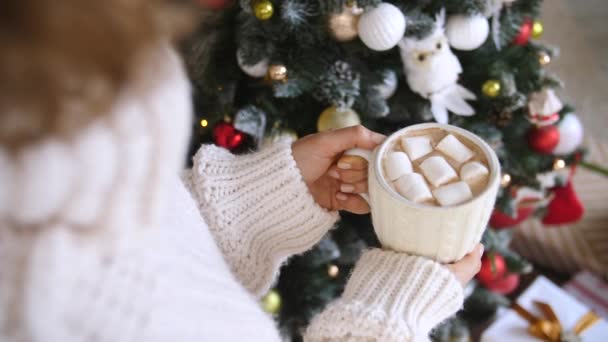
204,123
559,164
506,180
333,270
544,58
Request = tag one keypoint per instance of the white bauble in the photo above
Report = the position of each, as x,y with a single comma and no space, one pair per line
389,84
570,134
256,70
382,27
467,32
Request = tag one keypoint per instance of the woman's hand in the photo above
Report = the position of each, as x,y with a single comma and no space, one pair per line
466,268
334,180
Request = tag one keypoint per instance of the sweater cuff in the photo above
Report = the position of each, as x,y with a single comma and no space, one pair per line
390,297
258,208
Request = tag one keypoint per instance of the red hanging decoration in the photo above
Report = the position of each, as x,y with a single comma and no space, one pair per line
500,220
565,207
505,284
526,201
543,139
493,267
225,135
525,31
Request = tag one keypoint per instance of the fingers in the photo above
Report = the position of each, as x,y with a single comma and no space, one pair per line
343,139
348,176
352,203
352,163
354,188
467,267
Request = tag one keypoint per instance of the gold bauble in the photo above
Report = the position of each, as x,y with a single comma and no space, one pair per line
537,29
333,271
544,58
343,26
271,302
263,9
277,72
334,118
491,88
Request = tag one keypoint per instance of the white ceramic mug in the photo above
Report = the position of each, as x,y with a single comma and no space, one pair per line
445,234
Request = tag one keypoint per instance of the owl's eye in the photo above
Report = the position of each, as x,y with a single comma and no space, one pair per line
439,46
421,57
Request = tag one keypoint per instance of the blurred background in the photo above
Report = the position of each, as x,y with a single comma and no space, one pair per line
580,30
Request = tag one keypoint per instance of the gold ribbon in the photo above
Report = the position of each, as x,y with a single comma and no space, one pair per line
548,327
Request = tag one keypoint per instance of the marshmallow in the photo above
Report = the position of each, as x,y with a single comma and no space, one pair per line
453,194
438,171
397,164
472,171
452,147
413,187
417,147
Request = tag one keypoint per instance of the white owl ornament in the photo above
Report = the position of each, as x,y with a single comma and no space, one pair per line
432,71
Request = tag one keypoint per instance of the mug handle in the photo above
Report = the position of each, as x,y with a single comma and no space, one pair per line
365,154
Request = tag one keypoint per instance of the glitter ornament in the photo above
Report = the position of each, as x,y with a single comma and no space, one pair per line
389,84
256,70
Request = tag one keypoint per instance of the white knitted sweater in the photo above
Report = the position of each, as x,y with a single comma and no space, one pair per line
101,241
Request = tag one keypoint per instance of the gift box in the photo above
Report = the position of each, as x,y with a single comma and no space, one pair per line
590,290
512,326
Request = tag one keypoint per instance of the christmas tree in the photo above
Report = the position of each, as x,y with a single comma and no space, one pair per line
266,69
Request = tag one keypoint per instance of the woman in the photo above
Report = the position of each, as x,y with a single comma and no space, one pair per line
101,240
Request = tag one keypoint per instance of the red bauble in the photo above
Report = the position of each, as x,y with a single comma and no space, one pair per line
493,267
525,31
543,139
215,4
225,135
505,284
565,207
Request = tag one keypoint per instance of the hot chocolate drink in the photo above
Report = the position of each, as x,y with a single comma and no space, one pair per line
436,168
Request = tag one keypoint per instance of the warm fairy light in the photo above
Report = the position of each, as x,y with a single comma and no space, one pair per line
506,180
333,271
544,58
204,123
559,164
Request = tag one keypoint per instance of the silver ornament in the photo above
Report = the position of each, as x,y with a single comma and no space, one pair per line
389,84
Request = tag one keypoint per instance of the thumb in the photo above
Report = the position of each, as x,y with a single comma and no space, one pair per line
344,139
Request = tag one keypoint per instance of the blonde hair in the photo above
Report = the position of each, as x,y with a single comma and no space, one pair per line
56,52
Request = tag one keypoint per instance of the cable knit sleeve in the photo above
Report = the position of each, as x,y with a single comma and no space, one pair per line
389,297
258,209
